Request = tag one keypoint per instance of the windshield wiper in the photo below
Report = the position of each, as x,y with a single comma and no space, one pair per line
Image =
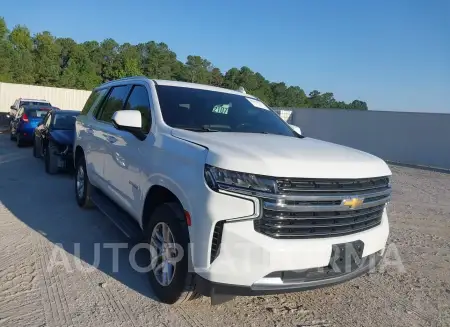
199,129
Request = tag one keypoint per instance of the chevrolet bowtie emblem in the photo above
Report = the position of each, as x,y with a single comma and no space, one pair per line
352,203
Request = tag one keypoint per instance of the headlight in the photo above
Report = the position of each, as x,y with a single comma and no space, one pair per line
218,178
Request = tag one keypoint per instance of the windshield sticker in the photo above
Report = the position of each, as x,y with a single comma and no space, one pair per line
221,109
257,103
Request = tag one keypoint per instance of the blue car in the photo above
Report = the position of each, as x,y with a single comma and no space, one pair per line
53,140
24,123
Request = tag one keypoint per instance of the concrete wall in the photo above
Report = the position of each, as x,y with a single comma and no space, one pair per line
58,97
409,138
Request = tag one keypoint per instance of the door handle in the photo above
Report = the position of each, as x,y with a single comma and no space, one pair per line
111,139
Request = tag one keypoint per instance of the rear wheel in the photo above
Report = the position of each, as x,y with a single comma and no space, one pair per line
83,187
168,236
36,150
11,135
51,160
18,141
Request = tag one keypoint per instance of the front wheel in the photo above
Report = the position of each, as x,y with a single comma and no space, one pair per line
83,187
51,160
168,236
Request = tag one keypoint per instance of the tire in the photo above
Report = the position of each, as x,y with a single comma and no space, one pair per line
11,135
36,153
51,161
83,194
181,287
19,142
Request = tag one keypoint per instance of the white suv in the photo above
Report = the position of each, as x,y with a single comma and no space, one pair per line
256,207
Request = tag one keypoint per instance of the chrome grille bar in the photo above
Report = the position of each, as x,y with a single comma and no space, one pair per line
279,206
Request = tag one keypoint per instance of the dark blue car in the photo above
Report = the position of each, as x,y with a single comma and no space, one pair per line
25,121
53,139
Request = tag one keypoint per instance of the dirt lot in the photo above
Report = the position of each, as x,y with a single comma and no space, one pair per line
38,211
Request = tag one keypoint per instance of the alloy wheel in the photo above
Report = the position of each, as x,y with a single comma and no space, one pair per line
80,182
163,242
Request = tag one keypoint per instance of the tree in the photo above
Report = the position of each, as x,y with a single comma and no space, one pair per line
46,60
198,70
46,55
127,62
79,71
22,59
357,104
6,53
216,77
108,55
158,61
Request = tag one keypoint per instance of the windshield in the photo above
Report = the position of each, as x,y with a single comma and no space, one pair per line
36,113
34,103
209,111
64,121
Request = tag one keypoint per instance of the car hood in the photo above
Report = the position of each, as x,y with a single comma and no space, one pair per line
283,156
64,137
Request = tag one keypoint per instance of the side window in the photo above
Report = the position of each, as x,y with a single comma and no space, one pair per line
94,101
115,102
139,100
19,112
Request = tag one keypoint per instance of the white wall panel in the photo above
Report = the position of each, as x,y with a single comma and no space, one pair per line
410,138
58,97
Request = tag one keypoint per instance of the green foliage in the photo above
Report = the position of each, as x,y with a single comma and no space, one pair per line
45,60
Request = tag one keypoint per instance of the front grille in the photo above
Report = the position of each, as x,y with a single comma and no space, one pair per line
216,240
314,208
294,186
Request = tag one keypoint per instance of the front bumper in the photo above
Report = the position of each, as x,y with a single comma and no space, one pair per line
281,285
246,257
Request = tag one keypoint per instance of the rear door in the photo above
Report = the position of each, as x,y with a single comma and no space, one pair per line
103,136
85,133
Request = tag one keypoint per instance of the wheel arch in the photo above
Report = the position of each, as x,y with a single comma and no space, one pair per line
156,196
77,154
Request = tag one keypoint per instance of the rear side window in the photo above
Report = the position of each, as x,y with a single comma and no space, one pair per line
34,103
94,101
36,113
139,100
115,102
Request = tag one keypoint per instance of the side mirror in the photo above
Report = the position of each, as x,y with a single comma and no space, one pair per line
12,107
130,121
296,129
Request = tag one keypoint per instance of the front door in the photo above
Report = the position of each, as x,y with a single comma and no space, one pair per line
103,136
128,154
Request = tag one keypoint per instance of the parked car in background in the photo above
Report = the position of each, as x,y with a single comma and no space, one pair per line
256,207
23,102
53,139
25,121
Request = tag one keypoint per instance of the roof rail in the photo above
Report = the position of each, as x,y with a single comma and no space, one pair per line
125,79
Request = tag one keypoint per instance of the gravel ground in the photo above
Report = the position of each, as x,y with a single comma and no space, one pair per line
38,212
